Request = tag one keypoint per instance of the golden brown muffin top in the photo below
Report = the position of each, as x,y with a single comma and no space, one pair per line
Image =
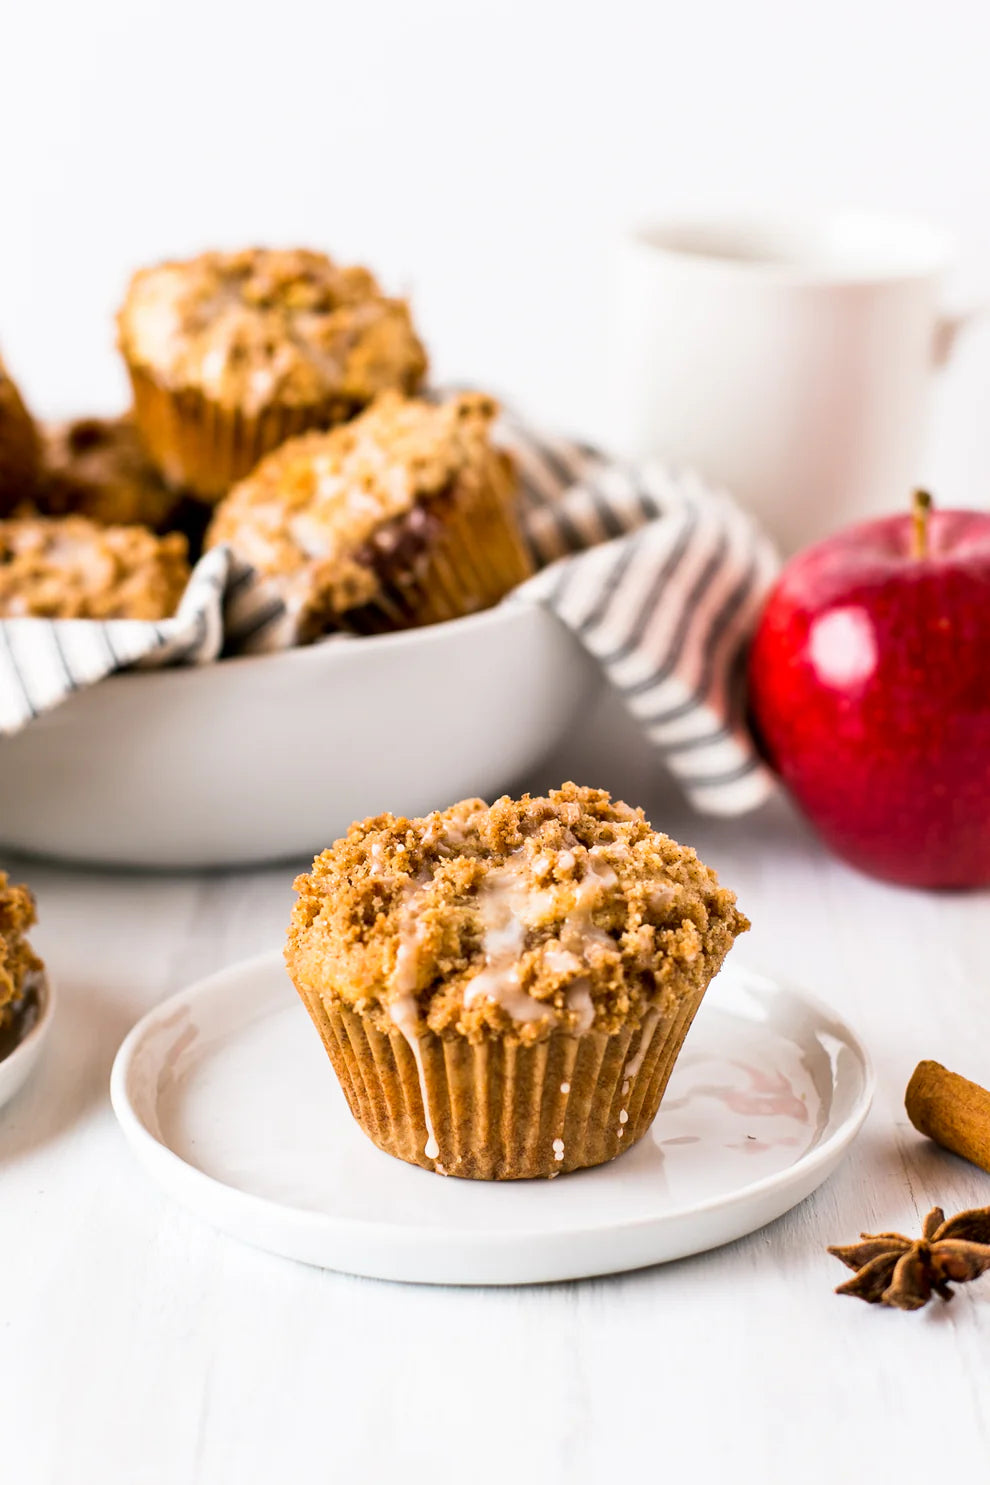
314,512
515,919
19,446
65,567
17,961
97,467
262,325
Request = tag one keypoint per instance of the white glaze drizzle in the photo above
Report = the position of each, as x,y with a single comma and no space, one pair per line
404,1010
562,961
580,1002
405,1013
406,966
508,904
660,898
579,928
501,983
635,1062
504,897
558,1149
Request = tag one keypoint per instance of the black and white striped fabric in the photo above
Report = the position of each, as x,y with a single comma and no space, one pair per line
662,580
660,577
43,661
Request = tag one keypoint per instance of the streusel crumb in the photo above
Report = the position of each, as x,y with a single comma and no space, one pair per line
515,919
261,325
17,960
65,567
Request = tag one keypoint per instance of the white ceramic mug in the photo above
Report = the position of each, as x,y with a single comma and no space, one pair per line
789,360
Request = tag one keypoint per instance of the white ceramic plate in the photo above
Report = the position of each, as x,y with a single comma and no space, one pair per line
267,757
225,1094
21,1047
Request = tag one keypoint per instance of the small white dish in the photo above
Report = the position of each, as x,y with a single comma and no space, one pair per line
226,1096
266,757
21,1048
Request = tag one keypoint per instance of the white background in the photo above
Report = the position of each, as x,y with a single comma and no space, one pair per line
482,155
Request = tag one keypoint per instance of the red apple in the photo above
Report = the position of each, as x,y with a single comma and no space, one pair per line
870,690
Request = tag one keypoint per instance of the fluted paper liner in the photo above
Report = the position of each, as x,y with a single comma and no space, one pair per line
499,1109
475,557
470,560
201,446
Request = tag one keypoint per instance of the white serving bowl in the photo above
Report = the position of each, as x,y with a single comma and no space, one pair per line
267,757
17,1064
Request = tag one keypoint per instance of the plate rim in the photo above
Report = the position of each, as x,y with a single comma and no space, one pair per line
141,1139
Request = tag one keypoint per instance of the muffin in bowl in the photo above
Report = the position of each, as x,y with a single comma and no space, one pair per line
65,567
97,468
20,967
402,517
231,353
20,449
503,991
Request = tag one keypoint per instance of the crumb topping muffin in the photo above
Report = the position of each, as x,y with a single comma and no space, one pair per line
257,325
97,467
18,963
347,526
65,567
558,943
517,919
230,354
19,446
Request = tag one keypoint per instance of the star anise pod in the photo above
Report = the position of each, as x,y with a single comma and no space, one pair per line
893,1270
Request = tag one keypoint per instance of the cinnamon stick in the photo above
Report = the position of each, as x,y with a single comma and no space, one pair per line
950,1110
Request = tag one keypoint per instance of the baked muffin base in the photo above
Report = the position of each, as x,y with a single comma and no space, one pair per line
205,448
503,1110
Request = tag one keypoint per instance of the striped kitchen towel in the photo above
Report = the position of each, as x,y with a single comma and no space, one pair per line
660,577
42,661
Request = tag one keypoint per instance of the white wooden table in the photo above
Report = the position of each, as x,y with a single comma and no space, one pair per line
138,1347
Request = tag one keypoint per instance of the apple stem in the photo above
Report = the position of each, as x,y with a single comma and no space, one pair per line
920,511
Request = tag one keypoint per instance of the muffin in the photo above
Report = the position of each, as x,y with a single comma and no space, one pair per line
65,567
19,447
405,516
20,968
230,354
97,468
503,990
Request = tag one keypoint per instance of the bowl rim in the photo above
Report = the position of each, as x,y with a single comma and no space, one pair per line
26,1046
329,644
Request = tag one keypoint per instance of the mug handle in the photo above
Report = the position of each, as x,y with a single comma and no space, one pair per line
949,327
